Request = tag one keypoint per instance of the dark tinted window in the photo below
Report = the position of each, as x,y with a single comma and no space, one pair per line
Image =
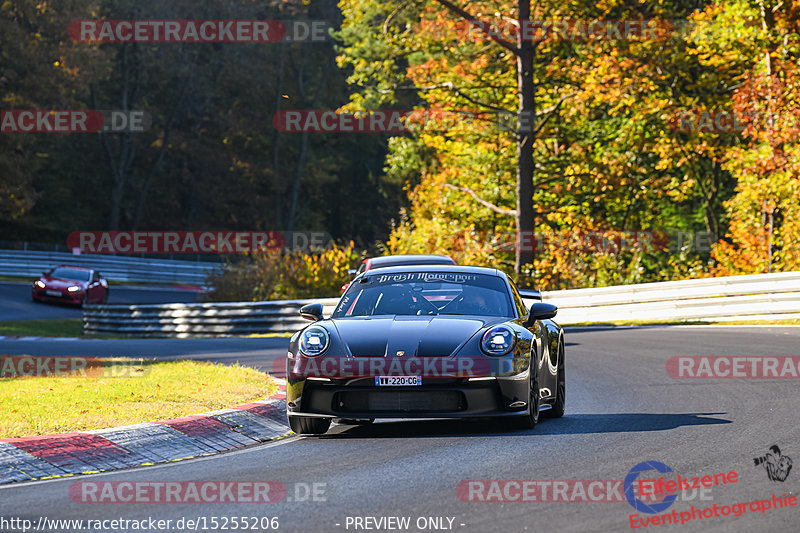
426,293
70,273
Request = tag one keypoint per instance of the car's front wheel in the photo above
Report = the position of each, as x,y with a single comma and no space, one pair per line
557,411
309,425
531,416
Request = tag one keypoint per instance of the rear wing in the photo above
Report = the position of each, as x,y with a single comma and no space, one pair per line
531,294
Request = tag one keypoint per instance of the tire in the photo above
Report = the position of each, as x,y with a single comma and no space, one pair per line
531,417
85,299
557,411
309,425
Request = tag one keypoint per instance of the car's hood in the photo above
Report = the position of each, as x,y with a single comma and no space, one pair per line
435,336
59,283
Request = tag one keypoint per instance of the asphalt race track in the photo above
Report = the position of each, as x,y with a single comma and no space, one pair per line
16,303
622,409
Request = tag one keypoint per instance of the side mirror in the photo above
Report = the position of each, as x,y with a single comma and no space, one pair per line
311,312
542,311
531,294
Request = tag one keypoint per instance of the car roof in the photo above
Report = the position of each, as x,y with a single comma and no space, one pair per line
410,259
461,269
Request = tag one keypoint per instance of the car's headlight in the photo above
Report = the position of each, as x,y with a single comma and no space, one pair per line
74,288
40,284
498,341
314,340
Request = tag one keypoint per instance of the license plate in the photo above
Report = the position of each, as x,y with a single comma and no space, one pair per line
53,293
398,381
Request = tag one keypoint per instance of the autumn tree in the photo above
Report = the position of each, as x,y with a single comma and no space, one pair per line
765,211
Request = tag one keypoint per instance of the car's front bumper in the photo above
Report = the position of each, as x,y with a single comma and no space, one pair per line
439,397
63,296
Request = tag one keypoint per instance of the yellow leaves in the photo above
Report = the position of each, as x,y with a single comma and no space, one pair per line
238,163
290,275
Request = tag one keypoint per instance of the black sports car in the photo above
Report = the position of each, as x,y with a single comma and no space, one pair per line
426,342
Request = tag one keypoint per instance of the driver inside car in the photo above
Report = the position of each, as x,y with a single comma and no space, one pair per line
395,301
473,303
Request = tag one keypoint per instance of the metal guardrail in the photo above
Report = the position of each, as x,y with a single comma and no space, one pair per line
114,268
754,297
198,319
751,297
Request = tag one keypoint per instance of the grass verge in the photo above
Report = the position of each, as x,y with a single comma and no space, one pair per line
29,279
126,391
55,327
73,327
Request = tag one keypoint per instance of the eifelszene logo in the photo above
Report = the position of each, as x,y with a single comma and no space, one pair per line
630,483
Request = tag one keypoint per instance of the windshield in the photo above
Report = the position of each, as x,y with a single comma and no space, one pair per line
426,293
70,273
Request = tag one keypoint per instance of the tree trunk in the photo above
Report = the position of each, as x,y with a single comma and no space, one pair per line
276,141
298,177
301,162
525,135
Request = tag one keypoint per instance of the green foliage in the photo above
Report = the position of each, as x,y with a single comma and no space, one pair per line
212,159
607,150
285,275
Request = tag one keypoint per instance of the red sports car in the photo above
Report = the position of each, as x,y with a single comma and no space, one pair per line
71,284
